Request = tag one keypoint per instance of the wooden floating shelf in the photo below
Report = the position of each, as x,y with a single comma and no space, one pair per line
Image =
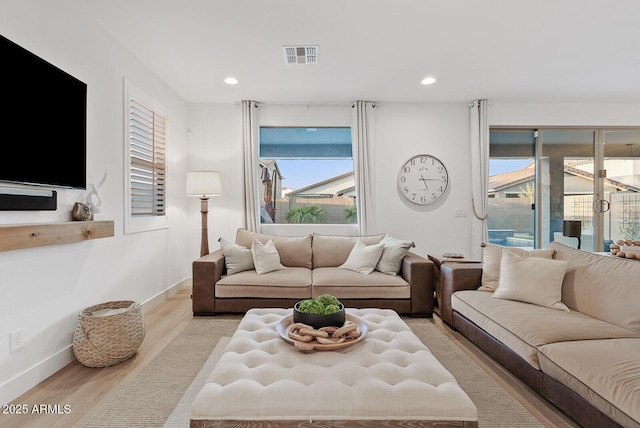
18,236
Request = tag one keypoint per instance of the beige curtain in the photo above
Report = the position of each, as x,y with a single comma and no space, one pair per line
250,139
479,127
361,136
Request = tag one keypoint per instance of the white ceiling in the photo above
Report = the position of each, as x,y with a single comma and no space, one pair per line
542,51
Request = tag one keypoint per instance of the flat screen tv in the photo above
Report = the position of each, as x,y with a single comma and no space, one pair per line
43,122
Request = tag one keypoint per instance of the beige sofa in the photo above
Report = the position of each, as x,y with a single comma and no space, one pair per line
311,268
586,359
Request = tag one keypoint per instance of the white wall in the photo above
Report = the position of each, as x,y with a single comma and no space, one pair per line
43,289
441,130
216,144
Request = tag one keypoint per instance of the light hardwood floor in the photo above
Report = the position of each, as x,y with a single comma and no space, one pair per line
85,390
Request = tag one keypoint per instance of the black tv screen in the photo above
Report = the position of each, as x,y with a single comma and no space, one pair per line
43,122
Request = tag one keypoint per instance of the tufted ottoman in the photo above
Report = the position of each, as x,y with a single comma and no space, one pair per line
388,379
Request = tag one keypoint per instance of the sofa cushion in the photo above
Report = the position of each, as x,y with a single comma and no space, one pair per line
346,284
363,258
236,257
605,287
491,260
294,251
290,283
333,250
392,254
532,280
604,372
265,257
524,327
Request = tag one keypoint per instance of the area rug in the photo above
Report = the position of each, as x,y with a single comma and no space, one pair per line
160,395
150,397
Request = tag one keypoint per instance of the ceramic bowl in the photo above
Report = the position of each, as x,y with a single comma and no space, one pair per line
318,321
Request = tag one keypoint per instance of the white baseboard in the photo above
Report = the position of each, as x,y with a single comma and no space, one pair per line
164,295
31,377
26,380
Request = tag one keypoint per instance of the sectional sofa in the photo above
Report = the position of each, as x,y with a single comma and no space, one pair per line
564,321
258,271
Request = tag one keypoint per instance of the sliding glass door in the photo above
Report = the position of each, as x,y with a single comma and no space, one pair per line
541,178
511,204
567,184
620,207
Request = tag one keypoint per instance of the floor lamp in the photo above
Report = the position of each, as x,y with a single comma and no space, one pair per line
204,184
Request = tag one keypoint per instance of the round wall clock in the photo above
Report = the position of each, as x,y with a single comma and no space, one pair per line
423,180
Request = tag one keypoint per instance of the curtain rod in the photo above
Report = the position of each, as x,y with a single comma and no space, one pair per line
321,104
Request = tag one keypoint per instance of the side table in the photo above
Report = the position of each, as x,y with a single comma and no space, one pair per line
438,261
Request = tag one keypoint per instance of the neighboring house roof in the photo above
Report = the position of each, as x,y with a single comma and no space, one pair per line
314,189
272,164
501,181
287,190
346,190
508,179
613,183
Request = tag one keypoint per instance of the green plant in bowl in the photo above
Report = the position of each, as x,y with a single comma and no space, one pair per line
325,310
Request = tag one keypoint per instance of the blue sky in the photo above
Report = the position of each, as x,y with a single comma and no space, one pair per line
499,166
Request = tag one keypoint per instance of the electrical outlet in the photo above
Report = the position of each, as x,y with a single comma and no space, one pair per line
461,212
17,339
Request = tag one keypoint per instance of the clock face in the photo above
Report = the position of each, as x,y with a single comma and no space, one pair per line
423,180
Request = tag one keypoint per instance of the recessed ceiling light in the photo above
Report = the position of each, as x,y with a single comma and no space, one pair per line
231,81
428,80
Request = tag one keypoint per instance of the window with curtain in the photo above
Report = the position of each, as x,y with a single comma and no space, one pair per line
145,160
307,175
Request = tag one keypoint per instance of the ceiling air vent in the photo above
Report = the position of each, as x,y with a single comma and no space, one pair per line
300,54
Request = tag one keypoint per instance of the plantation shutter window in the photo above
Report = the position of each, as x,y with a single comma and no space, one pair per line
147,145
145,161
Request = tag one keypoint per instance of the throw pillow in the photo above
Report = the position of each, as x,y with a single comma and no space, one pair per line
532,280
392,254
363,258
236,257
492,256
265,257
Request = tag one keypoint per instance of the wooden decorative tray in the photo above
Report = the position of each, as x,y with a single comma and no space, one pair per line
283,325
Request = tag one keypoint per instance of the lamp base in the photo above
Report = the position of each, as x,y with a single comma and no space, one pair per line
204,241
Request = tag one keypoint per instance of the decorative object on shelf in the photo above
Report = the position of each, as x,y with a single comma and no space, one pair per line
93,198
423,180
81,212
626,248
572,229
108,333
204,184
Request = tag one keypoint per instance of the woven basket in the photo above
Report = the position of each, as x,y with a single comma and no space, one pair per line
101,341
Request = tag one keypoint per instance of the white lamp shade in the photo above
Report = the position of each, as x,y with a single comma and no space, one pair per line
201,183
